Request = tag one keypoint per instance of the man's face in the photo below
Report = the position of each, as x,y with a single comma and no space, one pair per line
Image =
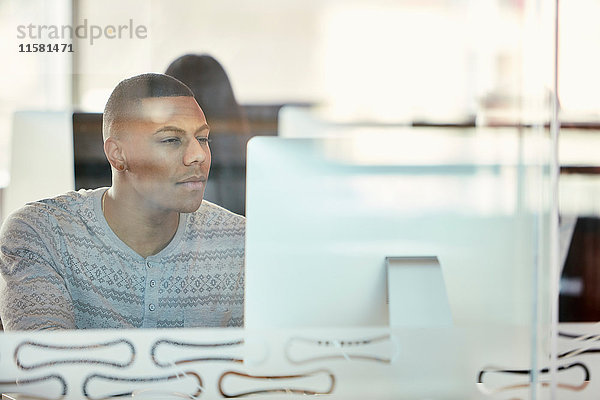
167,154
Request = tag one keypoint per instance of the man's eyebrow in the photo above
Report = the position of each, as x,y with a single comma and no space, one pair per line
171,128
204,127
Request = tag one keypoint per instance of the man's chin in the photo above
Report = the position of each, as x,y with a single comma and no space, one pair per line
191,207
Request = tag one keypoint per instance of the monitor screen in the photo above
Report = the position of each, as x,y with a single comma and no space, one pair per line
324,214
92,169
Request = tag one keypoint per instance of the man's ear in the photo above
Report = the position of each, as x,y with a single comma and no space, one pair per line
115,154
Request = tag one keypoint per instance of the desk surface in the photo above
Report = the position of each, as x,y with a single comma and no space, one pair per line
376,363
19,396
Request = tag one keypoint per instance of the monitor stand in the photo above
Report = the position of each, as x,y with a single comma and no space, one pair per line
417,294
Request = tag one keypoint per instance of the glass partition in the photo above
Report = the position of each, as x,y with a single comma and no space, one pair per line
471,202
399,194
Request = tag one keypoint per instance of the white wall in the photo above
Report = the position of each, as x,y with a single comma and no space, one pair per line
374,58
27,80
267,47
430,57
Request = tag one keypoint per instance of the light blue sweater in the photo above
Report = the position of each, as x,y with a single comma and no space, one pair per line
63,267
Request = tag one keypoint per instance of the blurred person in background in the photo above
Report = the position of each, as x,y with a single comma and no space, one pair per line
230,130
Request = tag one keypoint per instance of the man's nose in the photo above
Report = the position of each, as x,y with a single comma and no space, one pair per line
195,152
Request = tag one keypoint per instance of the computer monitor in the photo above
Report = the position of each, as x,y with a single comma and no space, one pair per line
41,158
324,214
92,169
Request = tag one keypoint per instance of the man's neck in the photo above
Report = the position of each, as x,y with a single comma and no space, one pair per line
145,231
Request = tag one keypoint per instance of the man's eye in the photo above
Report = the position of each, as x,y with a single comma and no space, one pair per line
170,140
203,139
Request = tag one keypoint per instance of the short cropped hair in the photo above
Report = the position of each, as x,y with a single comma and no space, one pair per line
125,98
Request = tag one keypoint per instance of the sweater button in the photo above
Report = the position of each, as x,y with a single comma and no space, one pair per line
151,307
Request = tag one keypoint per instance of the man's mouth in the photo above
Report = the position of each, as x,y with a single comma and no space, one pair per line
194,182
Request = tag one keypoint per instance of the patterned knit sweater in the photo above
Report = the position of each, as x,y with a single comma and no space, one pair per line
63,267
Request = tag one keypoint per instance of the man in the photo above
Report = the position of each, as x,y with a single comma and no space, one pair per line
146,252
